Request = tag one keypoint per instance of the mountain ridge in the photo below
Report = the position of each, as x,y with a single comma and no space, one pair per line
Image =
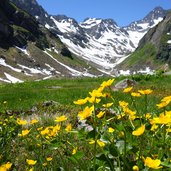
154,48
29,51
101,43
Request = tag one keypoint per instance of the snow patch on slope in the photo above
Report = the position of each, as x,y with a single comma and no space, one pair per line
65,26
73,72
24,50
12,79
3,63
89,23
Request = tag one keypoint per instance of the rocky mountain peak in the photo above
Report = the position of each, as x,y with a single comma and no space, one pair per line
156,14
65,19
100,42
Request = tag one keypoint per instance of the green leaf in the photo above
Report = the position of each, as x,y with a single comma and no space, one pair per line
166,163
79,155
55,146
113,150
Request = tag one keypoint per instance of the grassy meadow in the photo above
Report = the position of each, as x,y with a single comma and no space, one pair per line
87,126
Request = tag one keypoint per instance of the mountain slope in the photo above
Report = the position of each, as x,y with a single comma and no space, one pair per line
154,49
28,51
138,29
101,43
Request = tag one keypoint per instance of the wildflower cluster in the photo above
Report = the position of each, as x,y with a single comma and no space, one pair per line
128,137
107,134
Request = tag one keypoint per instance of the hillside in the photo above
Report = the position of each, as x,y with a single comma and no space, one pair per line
154,48
100,42
31,52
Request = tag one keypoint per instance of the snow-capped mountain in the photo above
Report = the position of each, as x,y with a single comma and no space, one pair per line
100,42
138,29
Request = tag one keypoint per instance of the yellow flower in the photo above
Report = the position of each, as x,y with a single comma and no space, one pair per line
168,130
61,118
31,169
147,116
162,104
154,127
31,162
135,168
110,129
107,105
121,134
100,143
81,101
139,131
49,159
24,133
154,164
132,114
135,94
87,112
123,104
91,141
127,90
147,91
100,114
166,98
54,130
6,166
162,119
34,121
96,93
107,83
93,100
40,128
68,127
21,122
45,131
45,164
74,151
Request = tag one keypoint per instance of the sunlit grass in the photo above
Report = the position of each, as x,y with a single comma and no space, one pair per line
101,130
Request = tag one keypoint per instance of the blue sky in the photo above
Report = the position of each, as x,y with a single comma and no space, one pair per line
122,11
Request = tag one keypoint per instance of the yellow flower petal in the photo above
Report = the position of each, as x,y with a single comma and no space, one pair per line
49,158
74,151
68,127
154,164
135,168
87,112
139,131
107,105
31,162
110,129
100,143
21,122
61,118
24,133
34,121
127,90
101,114
81,101
147,91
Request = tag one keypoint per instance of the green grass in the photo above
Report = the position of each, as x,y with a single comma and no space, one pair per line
133,134
23,96
146,55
